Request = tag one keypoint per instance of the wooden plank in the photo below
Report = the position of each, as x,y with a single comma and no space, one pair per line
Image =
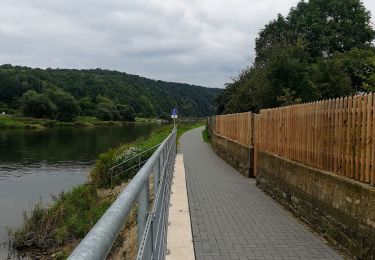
348,137
363,138
357,148
335,135
368,139
353,138
341,137
331,135
372,177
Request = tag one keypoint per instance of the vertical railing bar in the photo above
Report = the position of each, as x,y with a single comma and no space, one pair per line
143,209
161,204
156,178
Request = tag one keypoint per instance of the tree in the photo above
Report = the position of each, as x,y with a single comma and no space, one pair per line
88,108
107,112
359,64
91,87
126,113
322,49
38,105
68,108
326,26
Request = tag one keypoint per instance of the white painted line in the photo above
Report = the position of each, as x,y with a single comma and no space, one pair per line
179,239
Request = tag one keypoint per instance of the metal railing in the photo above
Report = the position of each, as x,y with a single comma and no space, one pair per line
151,225
138,161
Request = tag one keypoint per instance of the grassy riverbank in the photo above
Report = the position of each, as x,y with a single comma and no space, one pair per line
14,122
54,231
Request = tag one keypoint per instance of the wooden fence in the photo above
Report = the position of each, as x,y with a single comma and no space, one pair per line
333,135
236,127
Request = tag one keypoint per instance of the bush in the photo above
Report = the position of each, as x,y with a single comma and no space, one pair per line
87,106
126,112
100,174
107,112
38,105
68,108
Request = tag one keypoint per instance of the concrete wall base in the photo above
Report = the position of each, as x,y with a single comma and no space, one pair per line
340,209
239,156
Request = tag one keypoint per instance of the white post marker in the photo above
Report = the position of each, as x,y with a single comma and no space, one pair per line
174,115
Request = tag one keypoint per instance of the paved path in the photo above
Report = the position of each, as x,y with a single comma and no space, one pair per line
233,219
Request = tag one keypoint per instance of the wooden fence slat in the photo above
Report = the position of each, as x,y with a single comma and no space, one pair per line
336,135
368,138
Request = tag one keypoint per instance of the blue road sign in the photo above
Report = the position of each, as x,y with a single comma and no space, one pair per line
174,112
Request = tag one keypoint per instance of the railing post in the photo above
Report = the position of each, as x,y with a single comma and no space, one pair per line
156,178
143,209
139,163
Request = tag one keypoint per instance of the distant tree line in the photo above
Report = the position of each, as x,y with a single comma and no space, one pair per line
64,94
322,49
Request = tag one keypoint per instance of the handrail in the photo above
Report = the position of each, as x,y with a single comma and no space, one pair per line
135,156
99,241
113,173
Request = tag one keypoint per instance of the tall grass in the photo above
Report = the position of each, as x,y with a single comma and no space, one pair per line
70,217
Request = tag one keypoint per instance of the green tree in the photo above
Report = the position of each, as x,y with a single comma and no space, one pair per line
148,97
126,113
38,105
326,26
107,112
322,49
88,108
68,108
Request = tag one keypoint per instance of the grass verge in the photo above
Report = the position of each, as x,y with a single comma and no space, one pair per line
54,231
14,122
206,135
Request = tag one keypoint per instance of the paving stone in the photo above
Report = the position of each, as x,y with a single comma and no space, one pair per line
233,219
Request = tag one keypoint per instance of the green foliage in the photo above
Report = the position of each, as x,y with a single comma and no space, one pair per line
67,107
88,107
165,116
206,135
100,174
322,49
70,217
107,112
94,88
126,113
326,26
38,105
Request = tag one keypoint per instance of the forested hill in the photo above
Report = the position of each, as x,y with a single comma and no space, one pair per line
106,89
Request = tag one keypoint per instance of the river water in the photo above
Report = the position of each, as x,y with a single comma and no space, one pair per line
36,164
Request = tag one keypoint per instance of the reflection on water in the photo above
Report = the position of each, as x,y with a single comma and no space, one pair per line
36,164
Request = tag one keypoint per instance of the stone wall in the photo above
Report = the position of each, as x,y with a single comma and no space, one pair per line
237,155
338,208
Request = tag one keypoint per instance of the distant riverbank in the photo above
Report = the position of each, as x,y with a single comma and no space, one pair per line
17,122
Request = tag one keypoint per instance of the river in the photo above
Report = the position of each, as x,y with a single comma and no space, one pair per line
36,164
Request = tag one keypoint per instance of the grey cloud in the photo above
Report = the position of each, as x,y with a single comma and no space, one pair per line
205,42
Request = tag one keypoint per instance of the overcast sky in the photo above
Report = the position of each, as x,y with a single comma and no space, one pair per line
203,42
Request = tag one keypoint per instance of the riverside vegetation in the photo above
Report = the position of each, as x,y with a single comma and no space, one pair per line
65,94
17,122
54,231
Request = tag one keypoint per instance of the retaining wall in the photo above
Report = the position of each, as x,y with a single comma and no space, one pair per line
341,209
239,156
